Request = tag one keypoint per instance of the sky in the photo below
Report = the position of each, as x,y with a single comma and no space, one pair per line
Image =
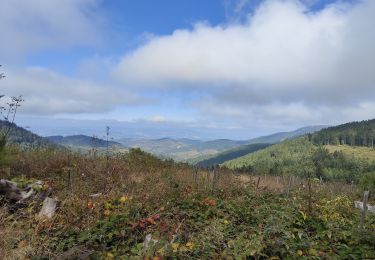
204,69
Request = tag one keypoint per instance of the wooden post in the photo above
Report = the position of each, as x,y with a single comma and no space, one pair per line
7,170
70,182
213,178
288,188
365,200
309,196
256,189
207,178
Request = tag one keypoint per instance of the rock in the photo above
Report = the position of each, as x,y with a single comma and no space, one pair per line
48,208
15,195
359,205
11,192
95,195
149,241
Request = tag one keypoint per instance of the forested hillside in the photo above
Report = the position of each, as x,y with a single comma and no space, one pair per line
355,133
23,137
301,157
231,154
276,159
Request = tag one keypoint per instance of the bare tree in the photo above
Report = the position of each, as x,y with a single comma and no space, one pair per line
8,114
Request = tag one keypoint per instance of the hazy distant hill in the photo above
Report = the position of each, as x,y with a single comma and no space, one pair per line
278,137
82,140
23,137
193,151
181,149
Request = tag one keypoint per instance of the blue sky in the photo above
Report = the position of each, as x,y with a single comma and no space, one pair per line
242,68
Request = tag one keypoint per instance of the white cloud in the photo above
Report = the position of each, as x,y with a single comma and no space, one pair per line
48,93
27,25
158,119
284,54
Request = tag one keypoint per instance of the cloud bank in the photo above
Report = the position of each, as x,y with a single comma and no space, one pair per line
284,61
48,93
28,26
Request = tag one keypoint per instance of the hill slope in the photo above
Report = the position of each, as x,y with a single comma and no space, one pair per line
301,157
289,154
355,133
231,154
84,144
279,137
23,137
253,145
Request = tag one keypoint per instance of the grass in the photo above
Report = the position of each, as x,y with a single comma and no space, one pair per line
358,152
289,153
154,209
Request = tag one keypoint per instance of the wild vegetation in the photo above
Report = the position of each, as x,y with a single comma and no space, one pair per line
301,157
138,206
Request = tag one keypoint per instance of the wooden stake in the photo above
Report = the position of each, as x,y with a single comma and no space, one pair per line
256,190
70,182
288,188
365,200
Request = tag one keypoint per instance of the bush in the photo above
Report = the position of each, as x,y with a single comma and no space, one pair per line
367,182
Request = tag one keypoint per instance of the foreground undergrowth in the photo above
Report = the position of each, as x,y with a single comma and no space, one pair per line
135,206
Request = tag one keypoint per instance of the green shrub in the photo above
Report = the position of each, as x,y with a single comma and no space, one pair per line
367,182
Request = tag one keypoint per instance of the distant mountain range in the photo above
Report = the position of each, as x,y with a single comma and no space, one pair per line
195,151
82,140
278,137
181,149
203,153
84,144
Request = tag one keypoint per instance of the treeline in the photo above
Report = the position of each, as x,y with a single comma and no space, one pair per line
302,158
354,134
